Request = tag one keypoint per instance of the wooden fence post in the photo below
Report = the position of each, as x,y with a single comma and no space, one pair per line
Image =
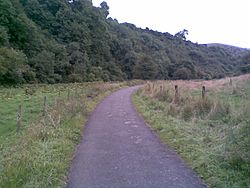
19,118
45,106
203,93
176,95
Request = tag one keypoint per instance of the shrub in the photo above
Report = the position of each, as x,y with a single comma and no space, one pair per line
182,73
75,78
12,66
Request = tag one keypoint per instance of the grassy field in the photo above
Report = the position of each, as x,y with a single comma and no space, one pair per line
39,155
212,134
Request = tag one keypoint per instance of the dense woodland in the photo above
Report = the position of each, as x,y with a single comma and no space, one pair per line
52,41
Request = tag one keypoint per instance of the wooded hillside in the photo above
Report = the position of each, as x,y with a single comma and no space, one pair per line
44,41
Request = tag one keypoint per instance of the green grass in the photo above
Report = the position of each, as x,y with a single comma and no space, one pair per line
40,154
216,142
32,105
36,163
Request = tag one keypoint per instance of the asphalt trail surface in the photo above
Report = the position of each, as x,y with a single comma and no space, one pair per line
118,150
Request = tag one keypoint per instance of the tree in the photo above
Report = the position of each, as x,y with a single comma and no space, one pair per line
61,59
4,37
182,34
182,73
13,65
105,8
145,69
44,63
245,63
71,40
245,60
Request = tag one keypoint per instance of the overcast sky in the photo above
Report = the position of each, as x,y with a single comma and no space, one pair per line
208,21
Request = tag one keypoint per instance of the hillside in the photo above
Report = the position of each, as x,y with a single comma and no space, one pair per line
234,50
43,41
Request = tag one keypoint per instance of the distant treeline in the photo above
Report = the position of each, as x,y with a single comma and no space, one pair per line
51,41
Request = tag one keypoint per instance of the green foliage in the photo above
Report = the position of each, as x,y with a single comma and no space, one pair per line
44,64
105,8
145,69
13,65
245,69
4,37
182,73
80,38
245,63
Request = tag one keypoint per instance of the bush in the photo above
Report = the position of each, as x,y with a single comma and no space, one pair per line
182,73
12,66
75,78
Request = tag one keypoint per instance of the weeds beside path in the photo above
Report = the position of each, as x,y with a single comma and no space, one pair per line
211,134
40,154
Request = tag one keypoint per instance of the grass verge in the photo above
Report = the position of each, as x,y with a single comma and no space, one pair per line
211,135
40,154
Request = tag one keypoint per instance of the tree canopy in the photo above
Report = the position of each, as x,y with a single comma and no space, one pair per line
45,41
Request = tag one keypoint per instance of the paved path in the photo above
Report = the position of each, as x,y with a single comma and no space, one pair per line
118,150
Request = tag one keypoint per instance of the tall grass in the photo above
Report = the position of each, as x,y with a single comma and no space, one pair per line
40,154
211,134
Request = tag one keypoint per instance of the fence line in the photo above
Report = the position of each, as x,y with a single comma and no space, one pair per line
203,92
44,110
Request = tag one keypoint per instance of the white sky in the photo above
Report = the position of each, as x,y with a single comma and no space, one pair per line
208,21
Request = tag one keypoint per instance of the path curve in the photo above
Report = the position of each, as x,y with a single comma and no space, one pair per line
119,150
